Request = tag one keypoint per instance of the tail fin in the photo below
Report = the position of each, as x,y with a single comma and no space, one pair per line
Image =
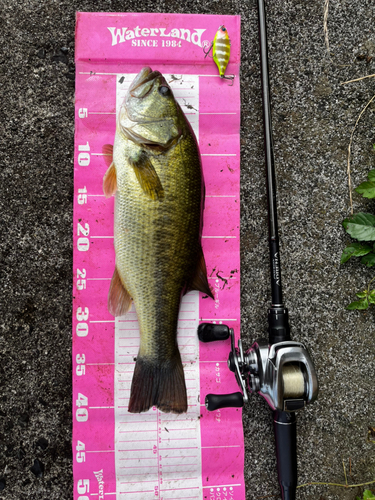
160,384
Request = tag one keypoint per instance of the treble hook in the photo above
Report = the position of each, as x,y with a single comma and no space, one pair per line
228,77
209,50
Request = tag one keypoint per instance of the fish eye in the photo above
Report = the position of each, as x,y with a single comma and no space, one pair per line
163,90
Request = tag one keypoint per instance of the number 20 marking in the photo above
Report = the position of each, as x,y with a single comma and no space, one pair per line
83,230
83,243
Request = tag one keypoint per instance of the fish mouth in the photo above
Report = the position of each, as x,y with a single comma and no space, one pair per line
143,82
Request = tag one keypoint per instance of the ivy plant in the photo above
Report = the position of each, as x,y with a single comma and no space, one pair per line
361,227
367,495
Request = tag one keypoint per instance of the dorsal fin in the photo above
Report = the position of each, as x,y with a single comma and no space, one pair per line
199,280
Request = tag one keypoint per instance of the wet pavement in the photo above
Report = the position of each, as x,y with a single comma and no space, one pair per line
313,117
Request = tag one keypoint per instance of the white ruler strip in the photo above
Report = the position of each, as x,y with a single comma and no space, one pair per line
158,455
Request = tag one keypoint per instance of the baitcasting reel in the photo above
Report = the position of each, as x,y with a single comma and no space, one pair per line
282,373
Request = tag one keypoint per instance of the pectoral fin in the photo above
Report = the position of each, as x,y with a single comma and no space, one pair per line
199,280
147,176
110,177
107,151
110,181
119,300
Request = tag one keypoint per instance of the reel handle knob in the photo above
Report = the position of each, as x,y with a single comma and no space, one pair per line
208,332
217,401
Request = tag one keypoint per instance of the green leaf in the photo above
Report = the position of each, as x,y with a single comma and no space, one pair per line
366,189
358,304
369,260
362,295
361,226
371,176
367,494
354,250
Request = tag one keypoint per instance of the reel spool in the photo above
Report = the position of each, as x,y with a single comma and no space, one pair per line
293,381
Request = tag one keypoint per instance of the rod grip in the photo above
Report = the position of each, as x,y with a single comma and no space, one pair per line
208,332
217,401
285,428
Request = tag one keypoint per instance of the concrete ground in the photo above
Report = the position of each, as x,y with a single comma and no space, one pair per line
313,116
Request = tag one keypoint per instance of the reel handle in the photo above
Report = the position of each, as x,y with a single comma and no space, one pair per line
217,401
208,332
285,428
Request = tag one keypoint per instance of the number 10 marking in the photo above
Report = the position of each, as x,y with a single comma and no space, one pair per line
84,156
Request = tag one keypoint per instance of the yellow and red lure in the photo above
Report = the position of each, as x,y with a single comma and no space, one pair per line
221,51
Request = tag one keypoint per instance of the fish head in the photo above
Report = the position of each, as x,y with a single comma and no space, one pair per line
150,114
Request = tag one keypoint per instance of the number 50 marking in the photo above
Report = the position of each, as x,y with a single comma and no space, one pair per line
83,486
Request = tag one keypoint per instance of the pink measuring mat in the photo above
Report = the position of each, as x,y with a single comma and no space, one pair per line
154,455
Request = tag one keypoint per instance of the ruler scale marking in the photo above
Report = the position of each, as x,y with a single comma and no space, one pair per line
174,460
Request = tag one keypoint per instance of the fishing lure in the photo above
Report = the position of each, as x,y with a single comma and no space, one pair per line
221,51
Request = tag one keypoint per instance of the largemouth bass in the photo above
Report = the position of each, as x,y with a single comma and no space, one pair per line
155,171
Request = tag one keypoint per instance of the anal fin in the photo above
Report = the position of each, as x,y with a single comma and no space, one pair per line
119,300
147,176
198,279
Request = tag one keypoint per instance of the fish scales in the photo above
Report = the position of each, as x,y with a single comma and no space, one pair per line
156,174
153,245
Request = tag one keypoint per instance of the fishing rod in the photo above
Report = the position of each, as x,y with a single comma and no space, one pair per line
280,370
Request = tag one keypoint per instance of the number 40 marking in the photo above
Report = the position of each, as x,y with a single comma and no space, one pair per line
82,414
